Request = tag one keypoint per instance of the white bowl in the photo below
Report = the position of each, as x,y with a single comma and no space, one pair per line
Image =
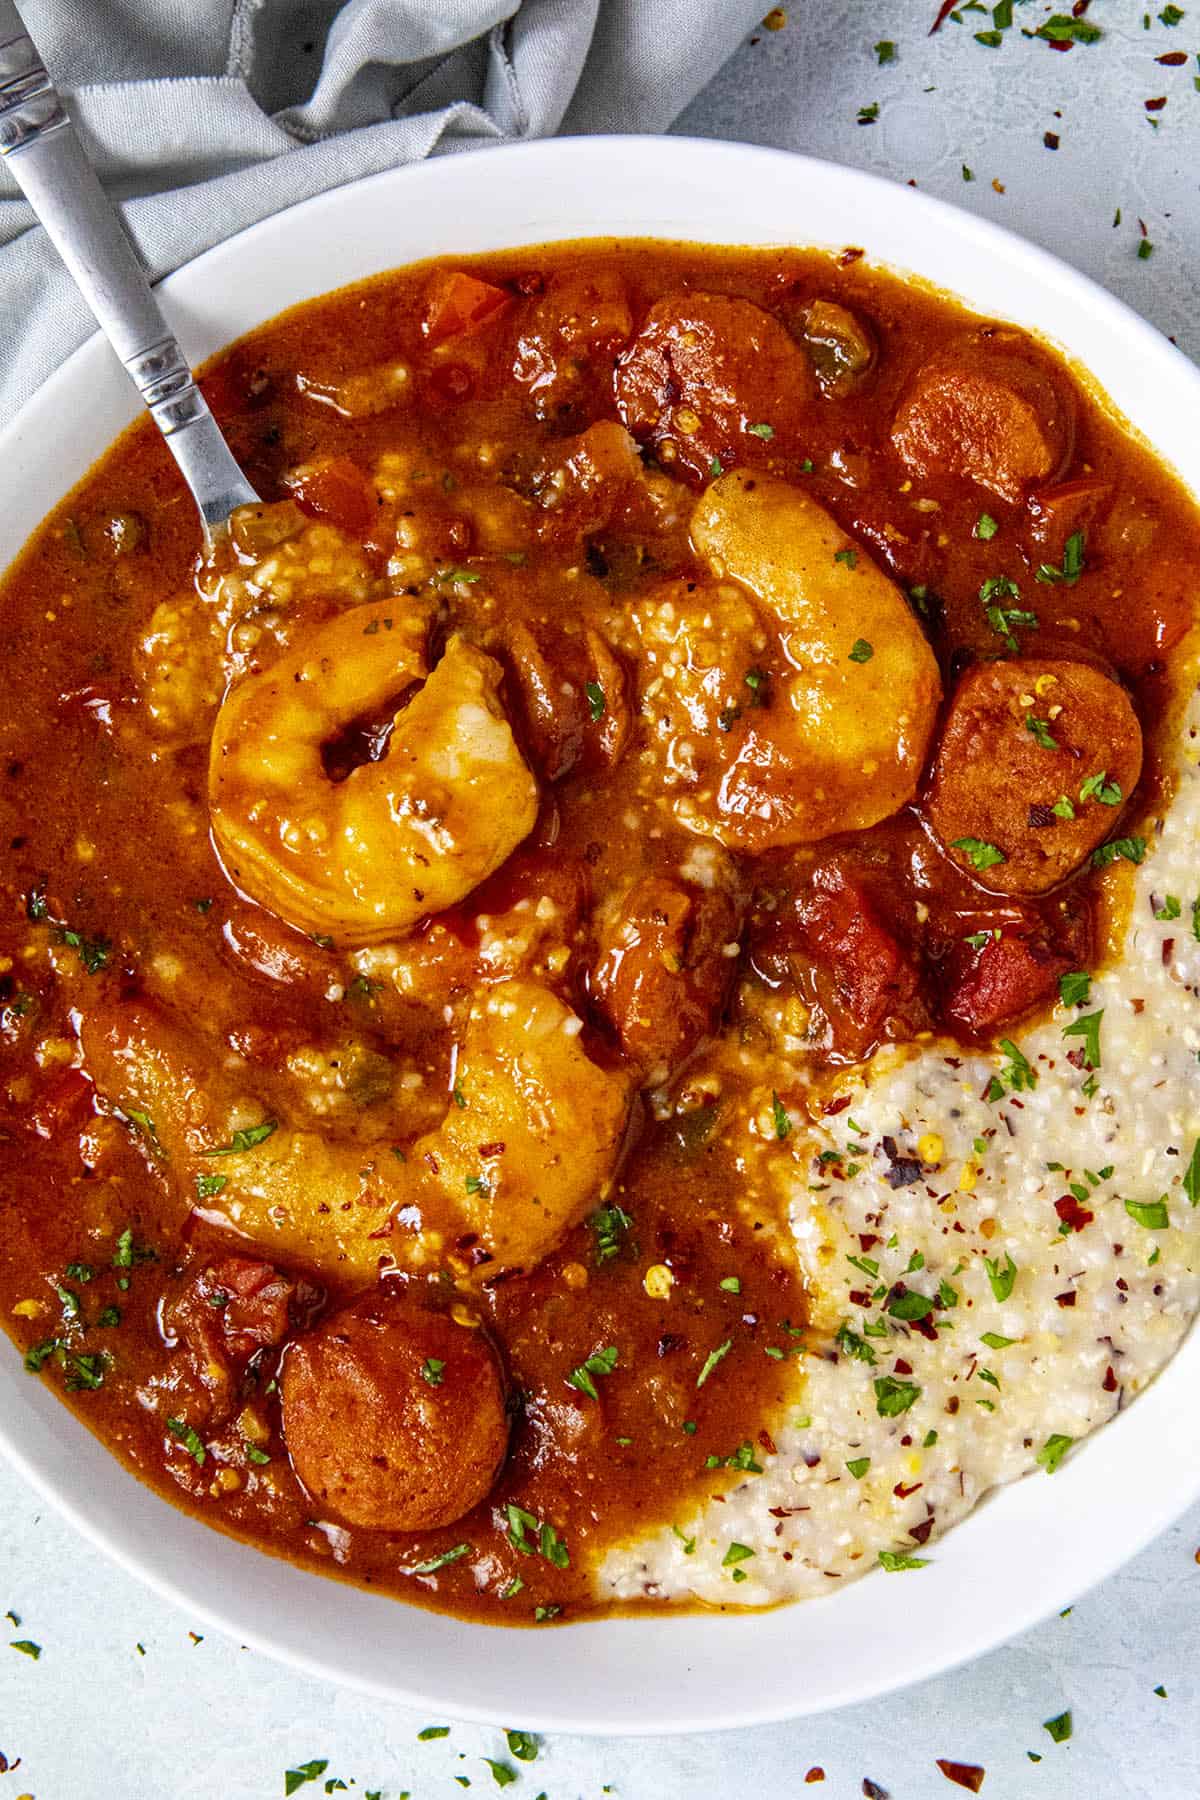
1031,1548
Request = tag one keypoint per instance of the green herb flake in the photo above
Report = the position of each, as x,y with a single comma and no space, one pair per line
595,699
731,1285
859,1466
1152,1214
1001,1276
994,1341
601,1362
689,1543
867,115
985,527
885,51
1099,787
189,1438
1059,1728
1128,849
1088,1028
862,652
1064,28
304,1773
783,1123
1071,568
1191,1179
712,1359
427,1733
896,1560
245,1139
766,432
1075,988
1017,1074
736,1553
1063,808
503,1774
433,1371
893,1396
849,556
1053,1451
1039,730
1170,908
979,854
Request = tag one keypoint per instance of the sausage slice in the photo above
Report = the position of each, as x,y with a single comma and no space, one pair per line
394,1417
1035,761
986,410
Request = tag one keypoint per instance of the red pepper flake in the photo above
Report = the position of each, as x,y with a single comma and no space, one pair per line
998,186
873,1791
839,1105
920,1533
1067,1299
902,1492
1109,1384
1072,1213
1155,105
851,254
944,11
1174,59
816,1773
1051,141
902,1367
964,1775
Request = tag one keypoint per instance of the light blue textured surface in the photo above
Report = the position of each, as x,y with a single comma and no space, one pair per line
94,1718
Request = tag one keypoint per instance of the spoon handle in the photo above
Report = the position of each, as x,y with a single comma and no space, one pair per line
40,146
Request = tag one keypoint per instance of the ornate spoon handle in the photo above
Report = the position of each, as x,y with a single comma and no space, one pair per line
39,143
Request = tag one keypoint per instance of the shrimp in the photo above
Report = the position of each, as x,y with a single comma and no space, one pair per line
799,702
411,834
527,1144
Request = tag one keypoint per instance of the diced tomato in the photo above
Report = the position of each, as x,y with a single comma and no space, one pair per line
460,304
872,975
1009,975
337,491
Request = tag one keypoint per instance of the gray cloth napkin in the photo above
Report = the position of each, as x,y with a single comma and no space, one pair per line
206,115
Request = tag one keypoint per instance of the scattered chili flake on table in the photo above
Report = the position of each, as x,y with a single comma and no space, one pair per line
816,1773
964,1775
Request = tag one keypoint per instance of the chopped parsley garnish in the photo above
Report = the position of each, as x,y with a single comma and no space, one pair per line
244,1139
93,953
848,556
477,1184
1064,28
985,527
609,1224
503,1773
1063,808
742,1458
1074,989
979,854
459,1098
1053,1451
1088,1028
190,1439
862,652
783,1123
1072,564
304,1773
731,1285
595,699
910,1305
994,1341
1039,730
601,1362
858,1466
852,1345
254,1454
1060,1728
542,1613
429,1732
896,1560
1017,1075
127,1253
208,1185
1099,787
1191,1179
1150,1213
549,1544
1129,849
736,1553
1003,619
27,1647
766,432
893,1396
712,1359
1170,908
867,115
885,51
439,1562
433,1371
1001,1276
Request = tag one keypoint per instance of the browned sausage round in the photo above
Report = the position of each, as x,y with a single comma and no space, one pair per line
1035,762
394,1416
712,379
986,410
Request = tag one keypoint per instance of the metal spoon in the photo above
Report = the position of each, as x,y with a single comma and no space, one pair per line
39,143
